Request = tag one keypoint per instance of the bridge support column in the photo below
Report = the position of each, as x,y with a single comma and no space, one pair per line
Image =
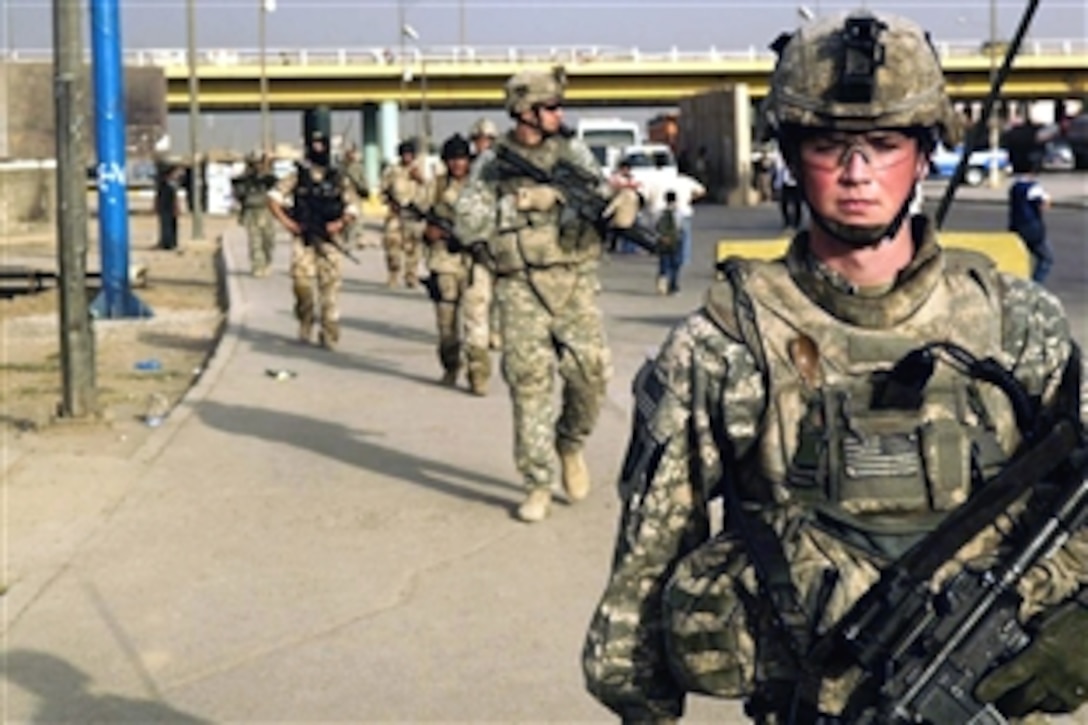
388,129
372,161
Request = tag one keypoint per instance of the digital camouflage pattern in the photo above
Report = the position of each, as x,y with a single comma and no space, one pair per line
677,613
401,236
909,84
529,88
545,291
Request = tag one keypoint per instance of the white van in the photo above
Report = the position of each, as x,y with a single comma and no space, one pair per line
607,137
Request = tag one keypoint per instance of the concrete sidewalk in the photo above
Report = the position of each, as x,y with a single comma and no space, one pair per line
337,546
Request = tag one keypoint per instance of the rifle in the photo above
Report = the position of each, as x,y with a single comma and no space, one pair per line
987,108
922,654
313,231
478,250
580,189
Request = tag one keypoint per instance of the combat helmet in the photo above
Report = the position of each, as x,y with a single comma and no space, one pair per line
530,88
484,127
456,147
856,72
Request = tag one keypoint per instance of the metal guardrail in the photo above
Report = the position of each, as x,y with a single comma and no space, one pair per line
571,55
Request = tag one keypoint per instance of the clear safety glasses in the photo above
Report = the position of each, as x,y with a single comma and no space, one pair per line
880,149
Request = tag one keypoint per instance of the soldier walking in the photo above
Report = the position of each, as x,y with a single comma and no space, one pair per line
403,184
351,168
314,205
545,262
251,192
456,276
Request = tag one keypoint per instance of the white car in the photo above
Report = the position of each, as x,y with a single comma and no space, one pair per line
943,163
651,164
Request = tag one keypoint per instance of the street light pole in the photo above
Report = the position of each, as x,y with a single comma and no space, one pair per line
403,70
995,122
76,335
262,22
194,126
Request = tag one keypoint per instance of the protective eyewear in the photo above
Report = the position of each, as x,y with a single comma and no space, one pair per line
880,149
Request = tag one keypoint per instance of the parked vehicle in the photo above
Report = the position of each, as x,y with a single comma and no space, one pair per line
1076,134
607,137
943,163
1058,156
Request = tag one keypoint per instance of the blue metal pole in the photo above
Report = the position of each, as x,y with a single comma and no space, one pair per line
115,298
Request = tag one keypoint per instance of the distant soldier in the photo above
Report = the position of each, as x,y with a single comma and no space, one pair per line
402,186
352,169
483,135
250,190
456,277
320,207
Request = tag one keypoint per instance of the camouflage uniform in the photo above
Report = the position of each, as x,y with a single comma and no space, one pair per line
311,259
760,399
355,175
460,288
546,288
480,308
401,236
251,191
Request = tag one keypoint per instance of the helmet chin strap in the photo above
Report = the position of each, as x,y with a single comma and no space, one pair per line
860,236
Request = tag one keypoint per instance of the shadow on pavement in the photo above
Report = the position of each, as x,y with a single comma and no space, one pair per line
286,348
63,696
352,447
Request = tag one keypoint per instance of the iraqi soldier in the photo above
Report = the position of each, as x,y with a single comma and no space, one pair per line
314,204
351,166
780,405
250,191
545,262
455,272
403,185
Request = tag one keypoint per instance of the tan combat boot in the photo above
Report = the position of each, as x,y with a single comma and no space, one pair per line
575,474
535,506
392,281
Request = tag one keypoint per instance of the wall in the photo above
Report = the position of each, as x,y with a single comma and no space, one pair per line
720,120
28,195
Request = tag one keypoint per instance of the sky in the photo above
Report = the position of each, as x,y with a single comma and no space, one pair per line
650,25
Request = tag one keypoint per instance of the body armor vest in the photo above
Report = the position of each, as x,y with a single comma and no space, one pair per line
869,467
439,257
318,198
538,237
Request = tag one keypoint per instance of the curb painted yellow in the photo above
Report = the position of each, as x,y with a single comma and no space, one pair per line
1005,248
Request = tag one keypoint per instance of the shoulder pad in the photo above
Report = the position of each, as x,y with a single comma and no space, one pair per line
976,265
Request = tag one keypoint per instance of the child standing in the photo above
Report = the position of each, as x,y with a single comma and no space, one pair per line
668,249
1027,201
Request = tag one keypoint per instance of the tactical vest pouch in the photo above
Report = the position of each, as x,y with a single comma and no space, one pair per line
708,643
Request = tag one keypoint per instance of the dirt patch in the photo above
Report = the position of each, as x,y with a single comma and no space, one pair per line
140,364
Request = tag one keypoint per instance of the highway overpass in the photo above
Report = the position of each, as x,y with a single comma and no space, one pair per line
469,78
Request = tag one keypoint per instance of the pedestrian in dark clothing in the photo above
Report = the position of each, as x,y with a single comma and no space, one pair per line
669,249
167,207
1027,201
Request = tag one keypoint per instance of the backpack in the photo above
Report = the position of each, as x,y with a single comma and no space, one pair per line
668,233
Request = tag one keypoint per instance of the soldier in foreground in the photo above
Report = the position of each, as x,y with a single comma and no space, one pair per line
545,288
822,424
455,272
403,184
314,205
250,190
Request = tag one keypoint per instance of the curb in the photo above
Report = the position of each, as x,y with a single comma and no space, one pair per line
230,292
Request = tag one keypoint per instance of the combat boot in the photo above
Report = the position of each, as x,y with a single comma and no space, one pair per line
449,378
535,506
329,335
392,281
575,474
305,332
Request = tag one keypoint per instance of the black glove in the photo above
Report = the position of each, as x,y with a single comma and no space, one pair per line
1051,674
480,253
